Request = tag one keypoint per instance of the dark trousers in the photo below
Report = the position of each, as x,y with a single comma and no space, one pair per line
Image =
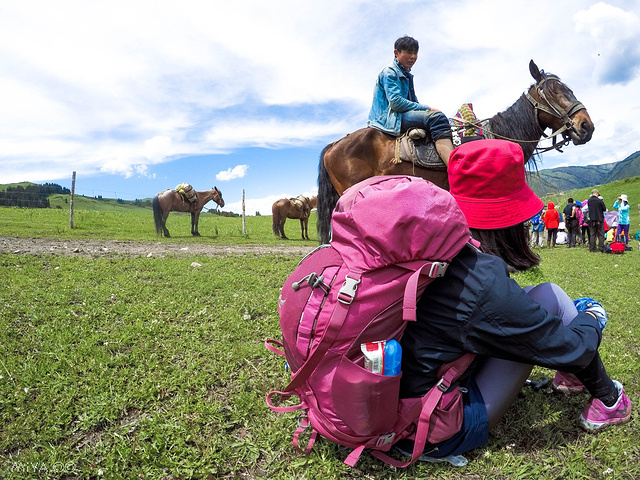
596,231
572,232
585,234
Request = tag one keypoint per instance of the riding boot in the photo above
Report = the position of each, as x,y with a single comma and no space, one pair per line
444,147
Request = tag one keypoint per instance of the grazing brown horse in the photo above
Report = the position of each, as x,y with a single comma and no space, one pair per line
548,103
170,200
299,207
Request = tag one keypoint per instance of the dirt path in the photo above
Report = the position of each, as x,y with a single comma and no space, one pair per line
96,248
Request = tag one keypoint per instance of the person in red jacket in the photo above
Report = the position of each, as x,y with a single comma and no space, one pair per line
552,221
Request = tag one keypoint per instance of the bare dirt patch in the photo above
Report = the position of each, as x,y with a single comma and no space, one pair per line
97,248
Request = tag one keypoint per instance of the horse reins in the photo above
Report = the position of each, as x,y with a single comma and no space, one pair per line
552,108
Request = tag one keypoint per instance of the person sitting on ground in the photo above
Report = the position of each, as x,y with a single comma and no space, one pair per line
477,308
395,107
623,218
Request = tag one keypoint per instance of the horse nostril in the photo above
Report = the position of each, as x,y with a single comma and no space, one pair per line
585,126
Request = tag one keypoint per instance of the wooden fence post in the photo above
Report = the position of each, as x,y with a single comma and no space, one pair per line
244,225
73,190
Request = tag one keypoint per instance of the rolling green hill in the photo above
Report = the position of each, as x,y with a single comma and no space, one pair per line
563,179
91,203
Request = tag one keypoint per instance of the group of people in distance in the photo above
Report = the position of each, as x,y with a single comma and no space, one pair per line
476,307
581,223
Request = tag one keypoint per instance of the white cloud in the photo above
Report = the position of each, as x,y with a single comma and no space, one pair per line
157,148
616,34
121,87
238,171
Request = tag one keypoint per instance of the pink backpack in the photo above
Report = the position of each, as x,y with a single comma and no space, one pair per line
392,235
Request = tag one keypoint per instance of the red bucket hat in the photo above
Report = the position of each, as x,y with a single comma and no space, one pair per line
487,179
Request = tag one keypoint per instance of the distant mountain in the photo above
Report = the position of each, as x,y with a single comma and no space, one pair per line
556,180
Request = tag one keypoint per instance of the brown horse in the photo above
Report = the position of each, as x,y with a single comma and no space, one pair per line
299,207
548,103
170,200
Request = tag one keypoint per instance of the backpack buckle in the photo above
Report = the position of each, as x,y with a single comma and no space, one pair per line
443,385
438,269
348,290
385,439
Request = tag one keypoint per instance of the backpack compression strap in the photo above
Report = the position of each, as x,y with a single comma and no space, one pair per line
429,403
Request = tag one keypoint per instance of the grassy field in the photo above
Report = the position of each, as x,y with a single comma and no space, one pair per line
142,367
129,222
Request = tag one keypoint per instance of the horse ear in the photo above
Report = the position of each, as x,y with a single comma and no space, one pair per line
535,71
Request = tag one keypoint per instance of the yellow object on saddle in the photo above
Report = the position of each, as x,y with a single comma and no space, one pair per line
186,191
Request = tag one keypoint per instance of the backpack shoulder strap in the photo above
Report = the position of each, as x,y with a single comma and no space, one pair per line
432,270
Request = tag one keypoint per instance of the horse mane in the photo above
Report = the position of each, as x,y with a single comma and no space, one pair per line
519,122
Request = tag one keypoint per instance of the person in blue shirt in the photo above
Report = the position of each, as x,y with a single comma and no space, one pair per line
396,108
477,308
623,218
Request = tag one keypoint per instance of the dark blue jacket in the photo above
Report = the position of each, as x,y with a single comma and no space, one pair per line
596,209
476,307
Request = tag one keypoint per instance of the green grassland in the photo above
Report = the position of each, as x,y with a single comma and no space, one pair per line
610,192
121,367
134,223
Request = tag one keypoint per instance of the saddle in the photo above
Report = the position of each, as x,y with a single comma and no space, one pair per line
301,202
414,146
186,192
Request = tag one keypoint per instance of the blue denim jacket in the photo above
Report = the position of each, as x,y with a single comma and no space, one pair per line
392,96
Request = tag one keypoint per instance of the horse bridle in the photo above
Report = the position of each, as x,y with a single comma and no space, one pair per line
552,108
555,110
217,197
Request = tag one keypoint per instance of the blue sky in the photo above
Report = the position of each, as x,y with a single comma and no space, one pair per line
138,96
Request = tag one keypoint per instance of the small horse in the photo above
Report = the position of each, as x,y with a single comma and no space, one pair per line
299,207
548,103
170,200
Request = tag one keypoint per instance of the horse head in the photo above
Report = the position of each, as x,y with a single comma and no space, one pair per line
556,107
217,197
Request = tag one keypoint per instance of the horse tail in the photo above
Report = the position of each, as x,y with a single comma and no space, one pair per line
327,199
157,214
275,212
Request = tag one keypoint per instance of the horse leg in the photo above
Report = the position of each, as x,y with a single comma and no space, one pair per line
194,224
164,225
306,228
281,228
